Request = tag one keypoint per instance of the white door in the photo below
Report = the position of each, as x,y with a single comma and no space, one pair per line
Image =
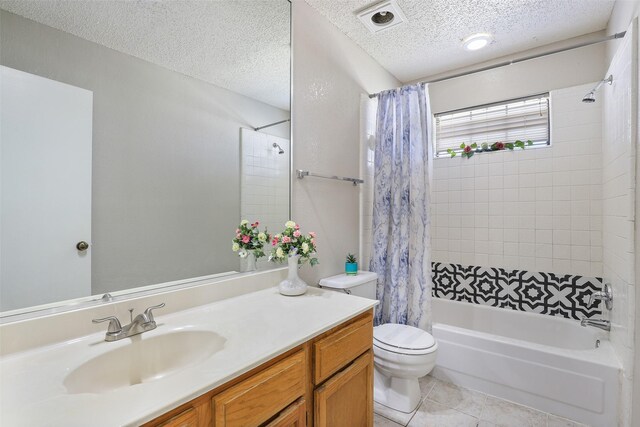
45,190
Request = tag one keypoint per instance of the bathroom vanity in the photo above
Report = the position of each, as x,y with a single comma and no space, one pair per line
327,381
256,358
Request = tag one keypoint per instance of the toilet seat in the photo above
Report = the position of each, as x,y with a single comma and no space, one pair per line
403,339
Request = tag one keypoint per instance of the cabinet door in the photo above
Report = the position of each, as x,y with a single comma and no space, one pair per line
346,399
262,396
294,416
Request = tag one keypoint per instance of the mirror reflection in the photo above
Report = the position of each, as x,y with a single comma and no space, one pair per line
129,151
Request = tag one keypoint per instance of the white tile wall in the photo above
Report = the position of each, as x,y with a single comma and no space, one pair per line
618,185
264,181
538,209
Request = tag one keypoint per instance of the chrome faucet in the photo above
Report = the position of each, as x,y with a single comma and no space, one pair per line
596,323
606,295
143,322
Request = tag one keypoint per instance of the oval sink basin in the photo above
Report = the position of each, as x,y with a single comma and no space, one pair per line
143,360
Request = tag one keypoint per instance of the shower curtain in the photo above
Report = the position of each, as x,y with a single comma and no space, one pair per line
401,220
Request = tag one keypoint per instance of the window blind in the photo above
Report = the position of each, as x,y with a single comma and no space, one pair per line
522,119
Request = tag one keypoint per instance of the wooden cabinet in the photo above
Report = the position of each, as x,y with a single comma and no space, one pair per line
255,400
327,381
346,399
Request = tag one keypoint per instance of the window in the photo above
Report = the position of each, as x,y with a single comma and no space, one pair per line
508,121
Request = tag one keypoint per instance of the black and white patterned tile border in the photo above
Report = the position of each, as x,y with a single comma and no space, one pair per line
544,293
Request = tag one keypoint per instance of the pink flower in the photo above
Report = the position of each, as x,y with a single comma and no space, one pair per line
467,149
286,239
274,241
238,235
246,239
297,233
237,230
313,241
500,145
297,227
312,234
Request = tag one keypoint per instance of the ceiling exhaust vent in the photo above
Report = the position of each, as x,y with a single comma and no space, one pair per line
382,16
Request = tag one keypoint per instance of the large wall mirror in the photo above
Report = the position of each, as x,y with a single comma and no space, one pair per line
129,151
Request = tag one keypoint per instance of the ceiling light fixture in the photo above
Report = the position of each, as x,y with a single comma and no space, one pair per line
477,41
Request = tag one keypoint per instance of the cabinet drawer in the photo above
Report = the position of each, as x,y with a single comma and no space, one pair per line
260,397
332,353
195,414
187,418
294,416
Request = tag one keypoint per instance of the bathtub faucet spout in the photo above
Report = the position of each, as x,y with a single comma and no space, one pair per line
597,323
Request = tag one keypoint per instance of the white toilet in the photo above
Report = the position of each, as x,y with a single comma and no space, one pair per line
401,353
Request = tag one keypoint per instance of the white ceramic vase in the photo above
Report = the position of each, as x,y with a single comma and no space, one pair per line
248,263
293,285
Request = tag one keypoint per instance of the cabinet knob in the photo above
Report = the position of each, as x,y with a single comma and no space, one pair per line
82,246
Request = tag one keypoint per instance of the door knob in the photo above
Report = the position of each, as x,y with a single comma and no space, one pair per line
82,246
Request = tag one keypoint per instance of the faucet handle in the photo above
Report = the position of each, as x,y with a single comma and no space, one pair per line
148,312
599,295
114,324
606,295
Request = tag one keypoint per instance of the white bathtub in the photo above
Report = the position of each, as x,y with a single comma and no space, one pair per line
546,362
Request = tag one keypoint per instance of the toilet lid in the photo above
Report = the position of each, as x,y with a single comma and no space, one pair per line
401,338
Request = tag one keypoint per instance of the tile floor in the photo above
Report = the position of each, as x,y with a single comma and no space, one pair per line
447,405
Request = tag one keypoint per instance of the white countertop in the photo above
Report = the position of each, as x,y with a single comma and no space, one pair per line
257,327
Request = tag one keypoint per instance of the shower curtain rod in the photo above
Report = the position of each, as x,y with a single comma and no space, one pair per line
271,124
515,61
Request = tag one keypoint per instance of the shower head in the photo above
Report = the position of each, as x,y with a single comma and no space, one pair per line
591,96
280,150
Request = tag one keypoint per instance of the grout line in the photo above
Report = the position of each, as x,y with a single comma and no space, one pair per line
433,385
386,418
414,414
417,409
422,399
484,404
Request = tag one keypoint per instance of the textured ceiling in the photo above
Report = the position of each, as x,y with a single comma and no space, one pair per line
241,45
430,41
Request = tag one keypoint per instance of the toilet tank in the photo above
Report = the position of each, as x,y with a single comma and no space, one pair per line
363,284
